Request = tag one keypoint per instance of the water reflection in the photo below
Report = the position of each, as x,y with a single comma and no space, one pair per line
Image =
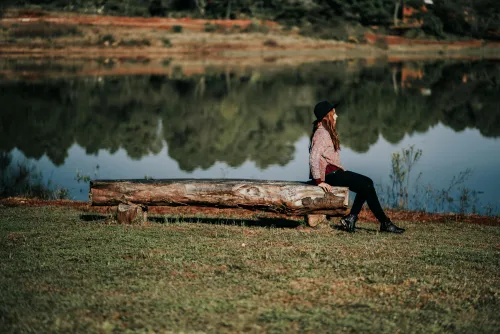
237,116
232,118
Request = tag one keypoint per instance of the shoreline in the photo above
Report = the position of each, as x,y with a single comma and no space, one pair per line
35,65
72,35
365,215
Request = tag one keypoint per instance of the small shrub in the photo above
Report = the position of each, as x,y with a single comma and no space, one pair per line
271,43
135,42
139,60
236,28
210,27
177,29
30,12
255,27
433,25
107,63
381,43
270,59
352,39
414,34
166,42
108,38
335,32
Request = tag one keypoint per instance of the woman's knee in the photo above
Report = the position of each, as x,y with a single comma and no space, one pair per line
367,182
362,184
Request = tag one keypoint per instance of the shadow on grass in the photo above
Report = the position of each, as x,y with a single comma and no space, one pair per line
259,222
262,222
93,217
358,229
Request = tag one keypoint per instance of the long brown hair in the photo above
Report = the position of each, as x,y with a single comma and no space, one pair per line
329,124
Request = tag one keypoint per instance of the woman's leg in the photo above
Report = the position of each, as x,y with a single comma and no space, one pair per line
364,189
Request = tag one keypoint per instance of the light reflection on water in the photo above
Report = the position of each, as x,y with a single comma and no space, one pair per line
255,124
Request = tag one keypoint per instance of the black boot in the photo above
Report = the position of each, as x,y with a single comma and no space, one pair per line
389,227
349,222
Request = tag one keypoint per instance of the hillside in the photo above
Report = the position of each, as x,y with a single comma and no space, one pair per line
344,20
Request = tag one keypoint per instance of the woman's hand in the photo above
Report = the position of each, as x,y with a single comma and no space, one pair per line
326,187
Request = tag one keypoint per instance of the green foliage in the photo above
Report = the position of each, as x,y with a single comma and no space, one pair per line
256,27
108,38
272,43
381,43
177,29
477,19
157,8
418,34
166,42
235,275
116,7
432,25
235,28
324,32
135,42
210,27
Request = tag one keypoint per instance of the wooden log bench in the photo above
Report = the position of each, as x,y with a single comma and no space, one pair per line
132,197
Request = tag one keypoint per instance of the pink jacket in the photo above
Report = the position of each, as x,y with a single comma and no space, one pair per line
322,154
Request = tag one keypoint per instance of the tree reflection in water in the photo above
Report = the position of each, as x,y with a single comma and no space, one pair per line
256,116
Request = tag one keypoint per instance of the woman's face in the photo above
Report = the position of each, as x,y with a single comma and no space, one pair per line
333,116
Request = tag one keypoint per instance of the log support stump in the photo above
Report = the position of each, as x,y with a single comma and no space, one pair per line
131,214
315,220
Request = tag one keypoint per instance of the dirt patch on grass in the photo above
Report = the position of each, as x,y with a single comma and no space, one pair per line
143,22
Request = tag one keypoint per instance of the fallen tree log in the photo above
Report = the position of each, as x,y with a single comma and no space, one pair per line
291,198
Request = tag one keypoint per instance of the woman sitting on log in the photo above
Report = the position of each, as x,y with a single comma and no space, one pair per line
327,170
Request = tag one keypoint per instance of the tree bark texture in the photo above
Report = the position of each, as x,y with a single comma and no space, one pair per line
292,198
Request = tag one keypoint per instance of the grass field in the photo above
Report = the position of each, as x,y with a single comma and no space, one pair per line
63,271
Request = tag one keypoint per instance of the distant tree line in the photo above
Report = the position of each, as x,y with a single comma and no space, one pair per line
467,18
231,118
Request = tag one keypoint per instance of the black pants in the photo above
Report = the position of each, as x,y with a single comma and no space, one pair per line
364,189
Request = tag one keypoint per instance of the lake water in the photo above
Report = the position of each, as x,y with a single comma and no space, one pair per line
115,119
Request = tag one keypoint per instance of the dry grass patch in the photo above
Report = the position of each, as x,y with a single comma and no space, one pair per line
44,30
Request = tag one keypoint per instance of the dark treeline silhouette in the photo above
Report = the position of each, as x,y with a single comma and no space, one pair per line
257,116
